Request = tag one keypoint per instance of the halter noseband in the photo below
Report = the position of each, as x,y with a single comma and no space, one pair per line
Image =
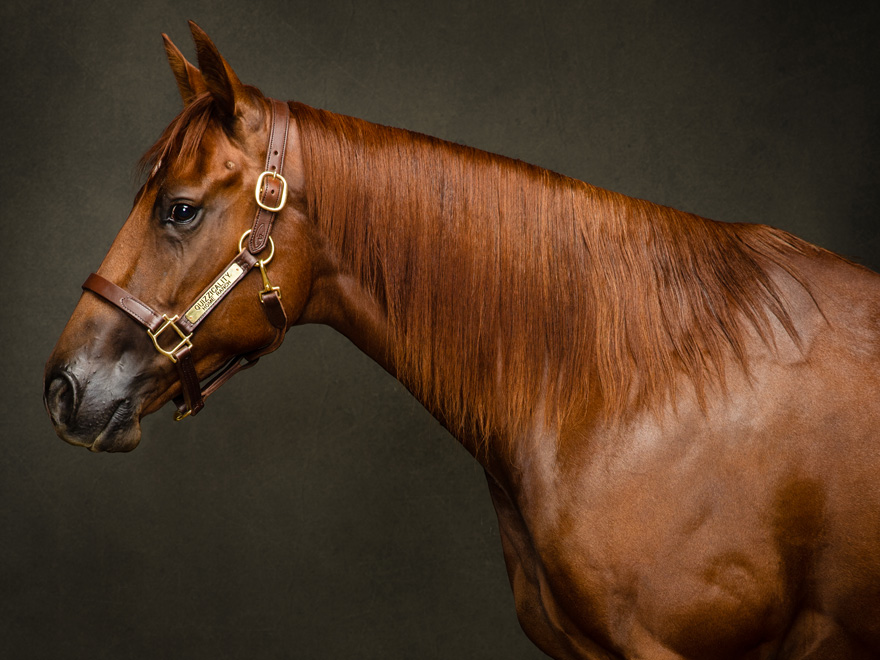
271,195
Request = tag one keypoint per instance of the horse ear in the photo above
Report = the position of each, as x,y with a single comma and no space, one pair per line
219,77
189,78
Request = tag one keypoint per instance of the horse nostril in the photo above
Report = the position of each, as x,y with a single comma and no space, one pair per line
61,397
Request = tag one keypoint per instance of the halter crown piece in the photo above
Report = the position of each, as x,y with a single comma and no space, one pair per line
271,196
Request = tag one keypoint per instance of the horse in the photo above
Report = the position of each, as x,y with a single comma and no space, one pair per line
677,417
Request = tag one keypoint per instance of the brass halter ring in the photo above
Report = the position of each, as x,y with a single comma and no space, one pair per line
263,262
184,338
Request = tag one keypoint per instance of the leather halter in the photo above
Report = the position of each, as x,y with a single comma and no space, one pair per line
271,195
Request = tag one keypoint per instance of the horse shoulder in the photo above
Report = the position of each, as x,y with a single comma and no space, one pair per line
691,534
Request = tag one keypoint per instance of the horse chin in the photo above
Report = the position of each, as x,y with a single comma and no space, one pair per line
118,437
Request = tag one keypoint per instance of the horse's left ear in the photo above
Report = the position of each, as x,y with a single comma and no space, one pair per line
220,79
189,78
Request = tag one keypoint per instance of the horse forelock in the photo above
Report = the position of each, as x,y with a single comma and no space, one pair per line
181,139
509,287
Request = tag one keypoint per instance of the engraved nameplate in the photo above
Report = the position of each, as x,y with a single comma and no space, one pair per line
213,293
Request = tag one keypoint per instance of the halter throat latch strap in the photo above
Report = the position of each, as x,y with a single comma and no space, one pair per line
172,335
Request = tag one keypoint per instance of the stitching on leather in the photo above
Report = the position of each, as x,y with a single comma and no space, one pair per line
284,141
131,311
257,238
271,136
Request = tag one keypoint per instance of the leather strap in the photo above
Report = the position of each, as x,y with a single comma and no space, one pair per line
185,405
189,381
136,309
272,187
274,310
147,317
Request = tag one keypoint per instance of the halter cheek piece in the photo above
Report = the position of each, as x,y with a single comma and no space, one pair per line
271,195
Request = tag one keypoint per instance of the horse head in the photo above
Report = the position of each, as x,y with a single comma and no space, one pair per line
172,259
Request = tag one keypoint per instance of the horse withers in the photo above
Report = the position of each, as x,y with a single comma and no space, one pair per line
677,418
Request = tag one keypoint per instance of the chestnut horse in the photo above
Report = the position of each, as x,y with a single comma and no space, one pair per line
678,418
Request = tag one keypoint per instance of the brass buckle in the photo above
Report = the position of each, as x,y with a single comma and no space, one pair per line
179,416
259,189
184,339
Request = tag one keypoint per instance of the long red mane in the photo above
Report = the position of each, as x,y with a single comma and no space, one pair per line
503,281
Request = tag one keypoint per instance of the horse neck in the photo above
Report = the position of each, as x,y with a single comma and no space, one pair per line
431,257
342,302
347,305
345,297
501,294
435,265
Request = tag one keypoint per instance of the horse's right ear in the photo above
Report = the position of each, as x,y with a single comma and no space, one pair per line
220,79
189,78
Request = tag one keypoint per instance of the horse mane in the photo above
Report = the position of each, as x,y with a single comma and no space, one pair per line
510,288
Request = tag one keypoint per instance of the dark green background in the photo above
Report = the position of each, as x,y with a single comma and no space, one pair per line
314,510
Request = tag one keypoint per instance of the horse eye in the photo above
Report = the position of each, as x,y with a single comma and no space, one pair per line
182,213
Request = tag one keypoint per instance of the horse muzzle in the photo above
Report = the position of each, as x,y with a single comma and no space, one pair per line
89,412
